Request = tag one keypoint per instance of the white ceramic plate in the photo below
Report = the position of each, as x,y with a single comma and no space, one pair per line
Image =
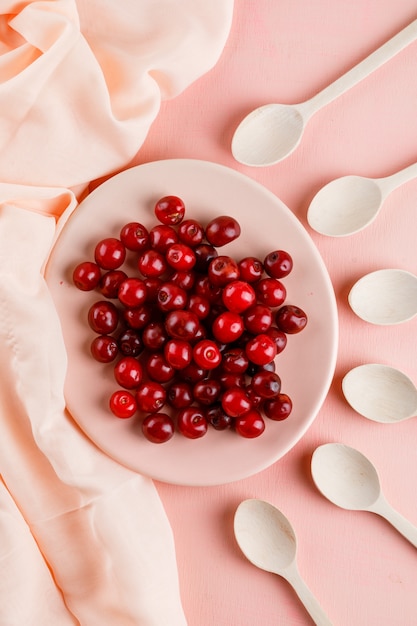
306,366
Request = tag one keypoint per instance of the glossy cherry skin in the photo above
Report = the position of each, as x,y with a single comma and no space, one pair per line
137,317
222,230
122,404
222,270
180,257
207,354
181,324
154,336
180,395
251,269
128,372
218,418
227,327
132,292
235,361
278,408
235,402
103,317
130,342
104,348
207,391
158,427
204,254
158,368
86,276
178,353
279,337
151,263
161,237
278,263
150,396
261,349
170,210
110,283
191,233
171,297
266,384
134,236
192,422
271,291
238,296
110,253
250,425
291,319
257,318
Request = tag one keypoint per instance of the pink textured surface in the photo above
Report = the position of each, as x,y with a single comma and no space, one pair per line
361,570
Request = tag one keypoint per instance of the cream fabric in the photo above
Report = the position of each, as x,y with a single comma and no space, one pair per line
83,540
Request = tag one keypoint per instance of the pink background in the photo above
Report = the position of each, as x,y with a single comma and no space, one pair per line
361,570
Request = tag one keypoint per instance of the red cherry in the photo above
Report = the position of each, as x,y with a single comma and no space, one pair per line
257,318
222,230
235,402
227,327
261,349
170,210
278,408
110,283
291,319
180,257
178,353
151,263
104,348
207,354
86,276
134,236
251,269
103,317
171,297
161,237
222,270
266,384
109,253
123,404
158,427
180,395
158,368
132,292
271,291
278,263
150,396
238,296
191,233
207,391
128,372
250,425
192,422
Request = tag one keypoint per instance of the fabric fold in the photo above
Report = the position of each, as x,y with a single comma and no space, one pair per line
84,541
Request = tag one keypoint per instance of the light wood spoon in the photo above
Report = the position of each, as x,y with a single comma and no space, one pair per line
348,204
267,539
349,480
271,132
380,393
385,297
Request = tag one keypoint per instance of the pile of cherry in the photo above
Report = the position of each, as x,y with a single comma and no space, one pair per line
193,334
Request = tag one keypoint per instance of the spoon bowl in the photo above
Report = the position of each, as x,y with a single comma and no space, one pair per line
268,134
268,540
380,393
385,297
273,131
348,204
349,480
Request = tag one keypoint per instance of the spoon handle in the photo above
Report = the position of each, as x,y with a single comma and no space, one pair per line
400,523
307,598
392,182
387,51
